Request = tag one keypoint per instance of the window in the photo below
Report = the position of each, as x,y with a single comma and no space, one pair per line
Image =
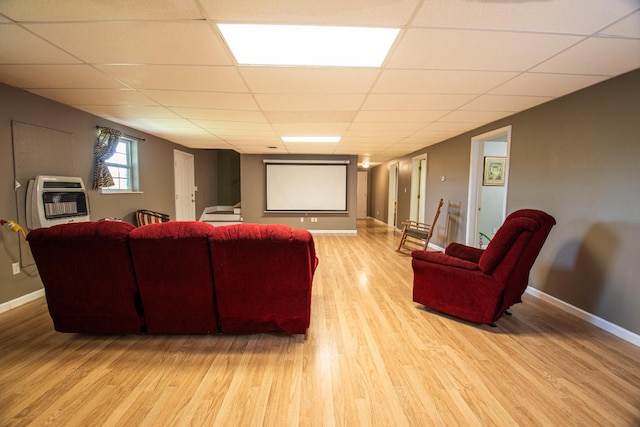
123,166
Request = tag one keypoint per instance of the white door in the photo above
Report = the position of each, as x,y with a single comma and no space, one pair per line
362,198
487,204
184,178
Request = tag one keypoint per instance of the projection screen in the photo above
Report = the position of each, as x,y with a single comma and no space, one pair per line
306,187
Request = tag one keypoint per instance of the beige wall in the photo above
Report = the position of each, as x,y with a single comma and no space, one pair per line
577,158
253,196
155,167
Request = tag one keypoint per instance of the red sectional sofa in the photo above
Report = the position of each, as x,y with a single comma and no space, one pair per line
109,277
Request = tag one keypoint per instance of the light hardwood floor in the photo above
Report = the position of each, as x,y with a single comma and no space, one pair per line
371,357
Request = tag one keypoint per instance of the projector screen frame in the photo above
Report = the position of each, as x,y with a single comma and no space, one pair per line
310,163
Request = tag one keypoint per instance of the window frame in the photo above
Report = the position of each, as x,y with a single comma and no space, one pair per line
131,166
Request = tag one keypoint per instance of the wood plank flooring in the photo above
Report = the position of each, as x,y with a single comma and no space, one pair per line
371,357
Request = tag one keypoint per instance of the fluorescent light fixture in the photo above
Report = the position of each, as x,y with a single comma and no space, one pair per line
256,44
311,139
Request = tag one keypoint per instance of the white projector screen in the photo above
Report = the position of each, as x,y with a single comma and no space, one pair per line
305,187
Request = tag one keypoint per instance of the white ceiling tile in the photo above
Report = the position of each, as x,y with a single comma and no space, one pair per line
205,144
368,132
220,115
170,125
453,128
310,116
627,27
21,47
596,55
405,102
475,116
309,102
189,42
363,141
261,143
56,76
560,16
511,103
309,80
193,99
177,77
545,84
476,50
218,126
125,111
332,12
398,116
440,81
47,10
251,135
260,149
95,96
429,133
310,129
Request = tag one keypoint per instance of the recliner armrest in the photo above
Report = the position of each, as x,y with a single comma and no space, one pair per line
443,259
465,252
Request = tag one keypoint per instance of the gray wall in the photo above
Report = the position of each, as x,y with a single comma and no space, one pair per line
576,158
155,167
253,195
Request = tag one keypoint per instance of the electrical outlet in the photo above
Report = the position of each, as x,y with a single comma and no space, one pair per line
16,268
301,219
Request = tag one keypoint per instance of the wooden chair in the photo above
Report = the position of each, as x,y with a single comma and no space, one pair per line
419,231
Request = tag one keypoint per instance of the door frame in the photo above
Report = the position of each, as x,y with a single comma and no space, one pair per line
418,191
392,219
475,180
362,197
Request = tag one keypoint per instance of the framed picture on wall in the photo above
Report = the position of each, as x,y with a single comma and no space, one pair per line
494,170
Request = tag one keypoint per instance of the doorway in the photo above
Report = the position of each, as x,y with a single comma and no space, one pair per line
392,217
362,199
488,194
418,188
185,189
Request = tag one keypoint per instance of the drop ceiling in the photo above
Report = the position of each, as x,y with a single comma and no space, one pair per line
162,67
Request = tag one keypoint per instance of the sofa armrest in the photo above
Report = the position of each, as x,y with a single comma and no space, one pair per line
443,259
465,252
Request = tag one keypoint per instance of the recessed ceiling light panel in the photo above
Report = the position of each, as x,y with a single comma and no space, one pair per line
310,139
256,44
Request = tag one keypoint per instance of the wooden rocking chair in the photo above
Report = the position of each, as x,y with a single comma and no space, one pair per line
419,231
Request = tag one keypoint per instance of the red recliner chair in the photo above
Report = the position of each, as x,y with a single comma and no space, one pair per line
263,277
88,277
480,285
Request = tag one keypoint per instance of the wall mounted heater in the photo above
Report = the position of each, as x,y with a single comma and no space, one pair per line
53,200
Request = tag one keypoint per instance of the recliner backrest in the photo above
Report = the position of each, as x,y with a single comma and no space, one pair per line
504,241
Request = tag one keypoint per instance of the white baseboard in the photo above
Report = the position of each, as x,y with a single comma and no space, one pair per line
591,318
21,300
333,231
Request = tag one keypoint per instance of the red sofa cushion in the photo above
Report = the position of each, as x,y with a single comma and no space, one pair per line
263,275
88,277
173,269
